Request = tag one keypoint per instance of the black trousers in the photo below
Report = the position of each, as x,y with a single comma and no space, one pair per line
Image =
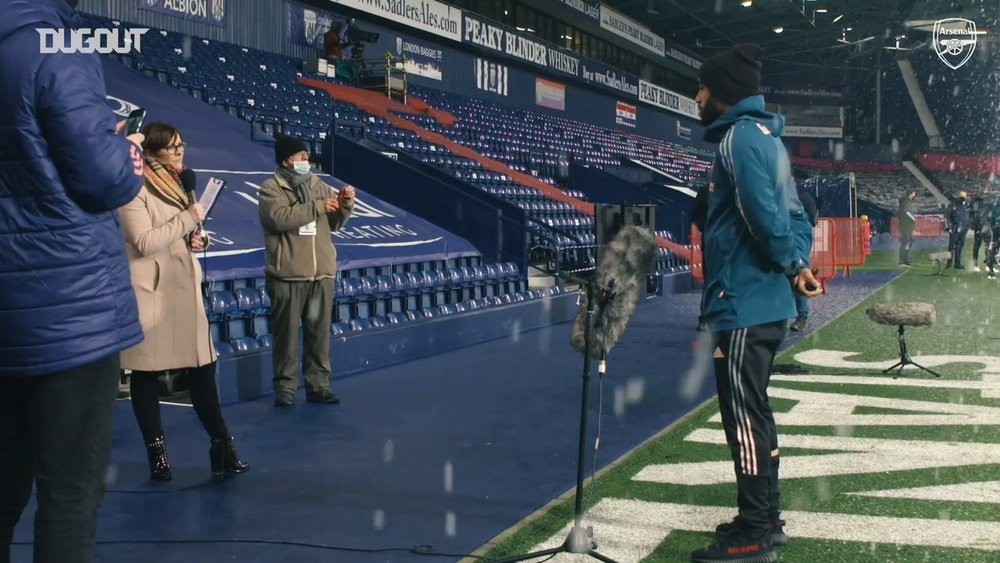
956,243
993,246
978,237
55,432
743,363
144,388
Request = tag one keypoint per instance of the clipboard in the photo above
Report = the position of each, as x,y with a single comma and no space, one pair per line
211,193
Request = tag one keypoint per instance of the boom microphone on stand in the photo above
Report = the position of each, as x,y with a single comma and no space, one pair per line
618,282
610,300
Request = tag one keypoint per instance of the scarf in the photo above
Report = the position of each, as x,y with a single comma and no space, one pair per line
167,182
300,183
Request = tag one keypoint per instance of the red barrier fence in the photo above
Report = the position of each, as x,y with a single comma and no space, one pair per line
849,242
928,226
824,251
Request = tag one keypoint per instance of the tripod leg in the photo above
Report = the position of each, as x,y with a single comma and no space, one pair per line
928,370
600,557
898,364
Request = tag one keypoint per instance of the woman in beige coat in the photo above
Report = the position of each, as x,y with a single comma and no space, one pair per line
162,234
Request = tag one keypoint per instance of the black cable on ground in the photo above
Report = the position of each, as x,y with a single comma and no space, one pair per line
426,550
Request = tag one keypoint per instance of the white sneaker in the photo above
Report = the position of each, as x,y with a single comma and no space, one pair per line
991,276
975,268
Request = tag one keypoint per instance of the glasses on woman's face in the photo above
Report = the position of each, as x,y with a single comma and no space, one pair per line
176,148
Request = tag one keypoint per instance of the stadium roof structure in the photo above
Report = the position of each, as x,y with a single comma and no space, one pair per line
807,34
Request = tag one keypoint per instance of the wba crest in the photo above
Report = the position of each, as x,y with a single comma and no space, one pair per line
955,40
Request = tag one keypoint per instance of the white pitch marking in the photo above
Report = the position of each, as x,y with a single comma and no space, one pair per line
839,359
838,410
984,491
990,382
863,455
628,531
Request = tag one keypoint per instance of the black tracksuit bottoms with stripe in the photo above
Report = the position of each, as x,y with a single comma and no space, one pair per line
742,374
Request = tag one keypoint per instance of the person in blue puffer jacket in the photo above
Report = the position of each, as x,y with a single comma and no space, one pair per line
756,238
66,303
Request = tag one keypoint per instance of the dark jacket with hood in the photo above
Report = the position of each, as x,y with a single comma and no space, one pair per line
65,295
959,215
756,232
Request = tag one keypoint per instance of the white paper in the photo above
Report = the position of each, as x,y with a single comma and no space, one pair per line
211,193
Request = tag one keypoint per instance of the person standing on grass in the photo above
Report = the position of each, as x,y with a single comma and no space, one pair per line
757,238
993,244
958,228
907,223
980,223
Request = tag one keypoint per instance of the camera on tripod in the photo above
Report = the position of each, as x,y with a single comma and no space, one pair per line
359,38
355,35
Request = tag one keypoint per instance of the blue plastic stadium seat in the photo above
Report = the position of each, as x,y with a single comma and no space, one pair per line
252,310
456,282
491,279
340,328
396,318
436,282
244,344
347,290
379,322
221,304
416,315
265,297
223,348
401,292
365,297
265,341
384,290
358,325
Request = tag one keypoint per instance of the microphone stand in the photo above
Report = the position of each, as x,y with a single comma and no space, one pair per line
579,540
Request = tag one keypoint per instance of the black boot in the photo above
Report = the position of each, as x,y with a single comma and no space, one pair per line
159,467
224,457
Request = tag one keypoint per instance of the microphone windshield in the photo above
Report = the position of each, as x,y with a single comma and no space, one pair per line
188,179
618,282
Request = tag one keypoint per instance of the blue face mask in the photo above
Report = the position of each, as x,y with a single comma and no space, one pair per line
301,166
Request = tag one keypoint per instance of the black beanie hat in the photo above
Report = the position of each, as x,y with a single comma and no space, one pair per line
733,74
285,146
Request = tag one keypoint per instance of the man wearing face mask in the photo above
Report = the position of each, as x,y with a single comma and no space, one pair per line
298,213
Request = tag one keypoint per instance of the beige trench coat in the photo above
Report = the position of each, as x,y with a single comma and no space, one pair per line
166,276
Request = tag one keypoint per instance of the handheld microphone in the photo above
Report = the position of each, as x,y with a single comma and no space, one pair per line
188,181
617,285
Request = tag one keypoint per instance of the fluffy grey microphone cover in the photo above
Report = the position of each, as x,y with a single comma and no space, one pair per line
626,261
906,314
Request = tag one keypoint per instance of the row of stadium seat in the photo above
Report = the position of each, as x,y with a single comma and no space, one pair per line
253,343
245,311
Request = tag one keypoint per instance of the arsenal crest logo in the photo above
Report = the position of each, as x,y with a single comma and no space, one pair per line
954,40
